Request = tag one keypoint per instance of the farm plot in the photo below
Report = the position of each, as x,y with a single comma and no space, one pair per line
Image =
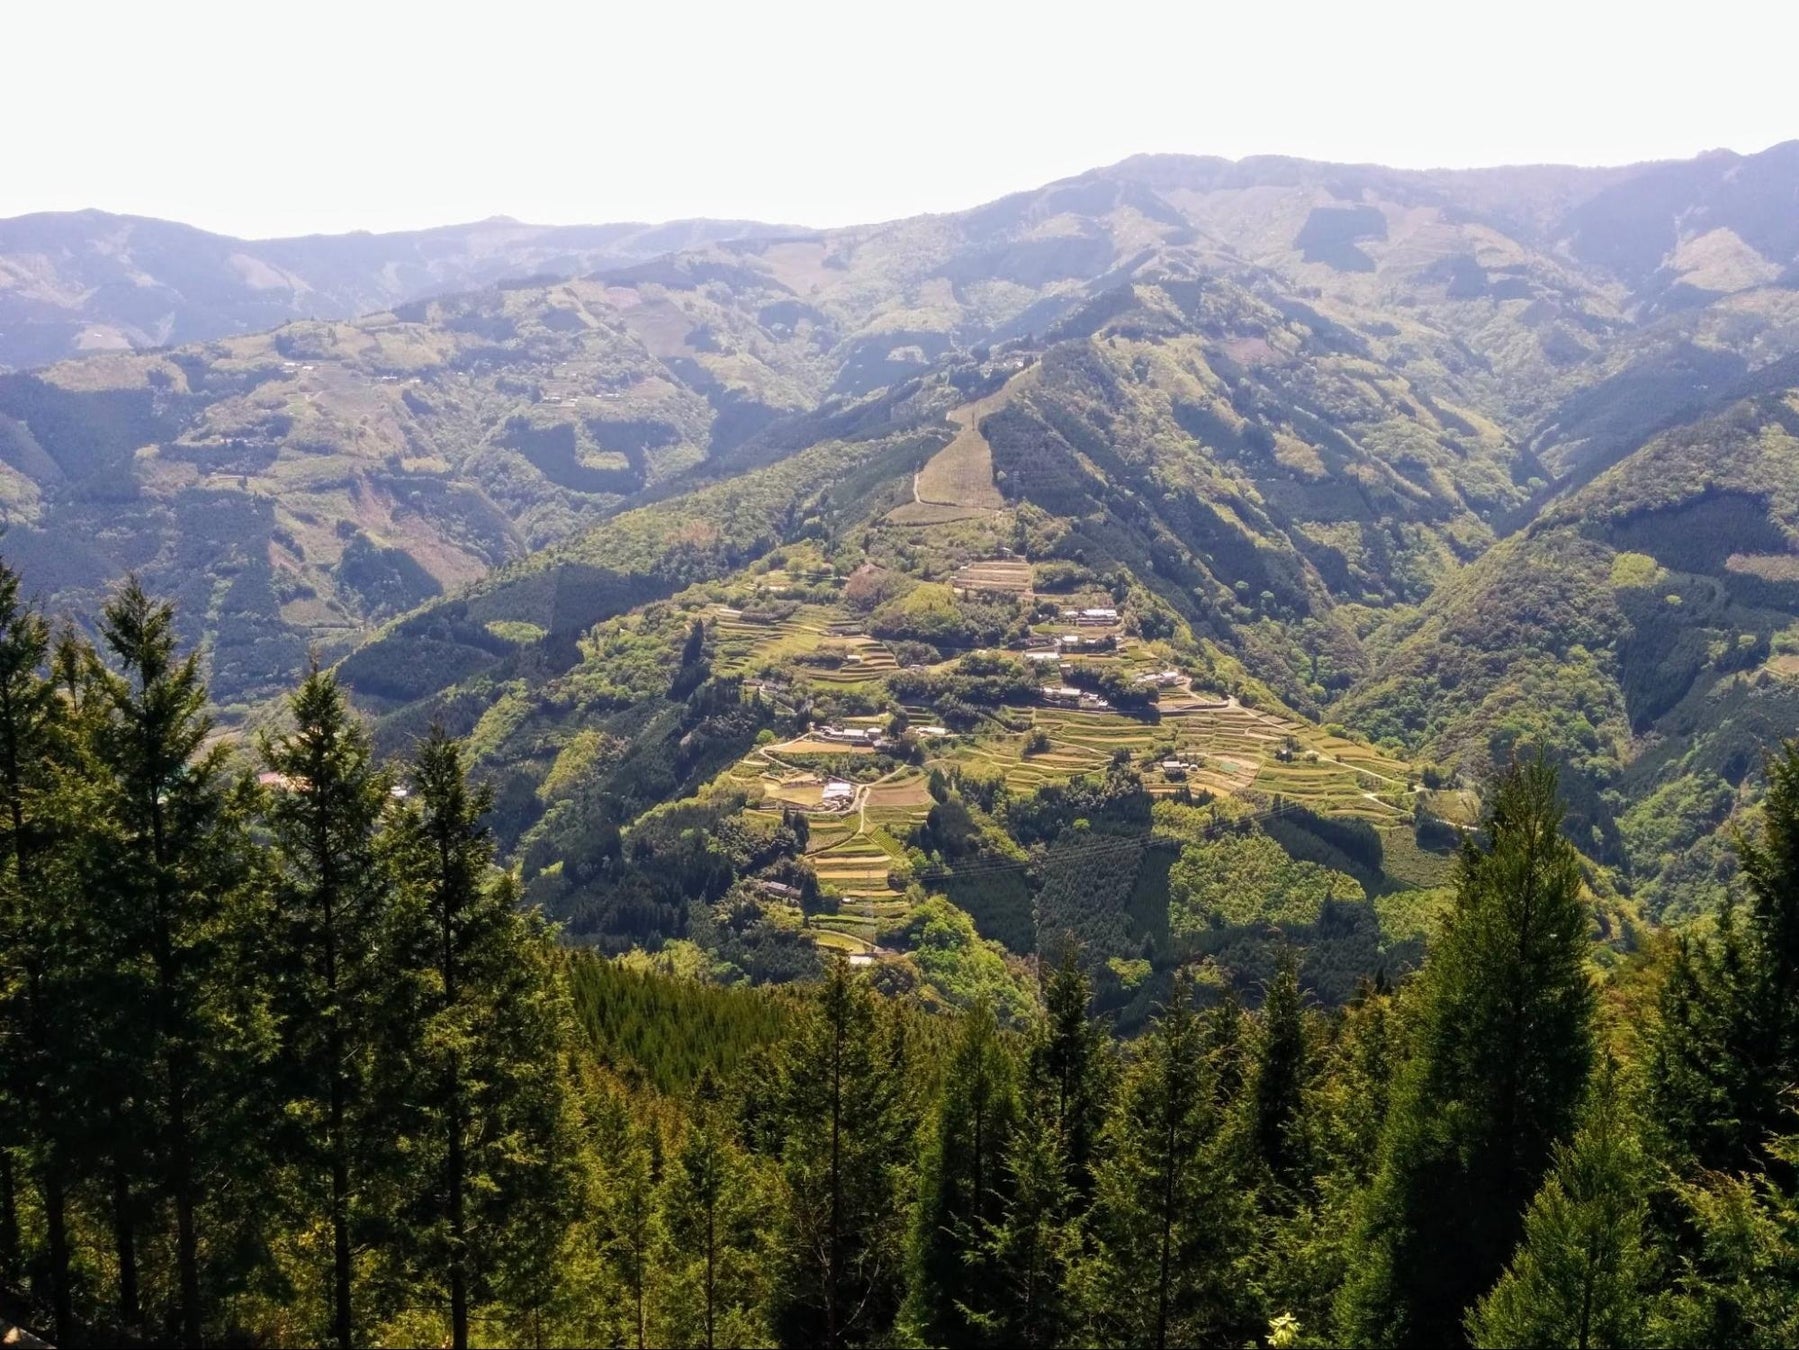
743,644
856,866
995,574
864,659
899,802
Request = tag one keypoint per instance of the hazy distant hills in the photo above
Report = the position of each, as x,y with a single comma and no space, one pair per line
81,281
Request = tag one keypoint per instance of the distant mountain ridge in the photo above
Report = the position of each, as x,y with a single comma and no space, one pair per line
1667,233
80,281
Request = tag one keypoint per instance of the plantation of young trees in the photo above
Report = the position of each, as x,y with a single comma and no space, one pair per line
285,1061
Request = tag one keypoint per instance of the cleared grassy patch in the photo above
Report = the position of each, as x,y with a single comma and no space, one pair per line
961,474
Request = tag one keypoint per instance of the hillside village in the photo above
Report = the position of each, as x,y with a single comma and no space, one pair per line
863,778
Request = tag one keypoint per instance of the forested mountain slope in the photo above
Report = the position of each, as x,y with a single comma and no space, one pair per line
1644,628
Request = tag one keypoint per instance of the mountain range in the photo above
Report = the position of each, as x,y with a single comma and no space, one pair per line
86,281
1418,470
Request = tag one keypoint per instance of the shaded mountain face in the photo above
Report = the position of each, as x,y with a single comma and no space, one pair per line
1405,455
82,281
1643,630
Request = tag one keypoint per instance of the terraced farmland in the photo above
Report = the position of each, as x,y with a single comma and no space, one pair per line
901,801
995,574
1229,750
1224,747
856,865
865,659
745,645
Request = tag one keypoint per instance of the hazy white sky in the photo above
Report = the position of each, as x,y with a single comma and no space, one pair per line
256,118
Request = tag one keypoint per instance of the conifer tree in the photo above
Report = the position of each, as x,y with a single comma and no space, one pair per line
489,1031
847,1128
1581,1276
450,855
332,898
40,939
177,892
111,1015
525,1152
1771,866
1065,1084
1726,1049
1504,1043
1067,1071
1225,1046
1365,1059
1167,1221
1279,1073
1737,1278
1702,1086
1031,1253
633,1229
713,1215
962,1182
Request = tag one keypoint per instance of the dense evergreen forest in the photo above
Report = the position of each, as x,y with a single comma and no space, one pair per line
286,1060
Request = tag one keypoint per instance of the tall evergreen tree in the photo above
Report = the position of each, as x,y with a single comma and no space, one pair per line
713,1217
1226,1046
177,890
1068,1071
40,942
1736,1282
633,1230
332,900
847,1125
1726,1050
1581,1276
451,855
1168,1220
962,1184
1705,1091
111,1016
1031,1253
1278,1074
1771,867
1504,1043
486,1053
1365,1058
1065,1082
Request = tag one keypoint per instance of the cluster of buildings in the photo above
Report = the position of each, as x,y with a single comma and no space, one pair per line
1094,616
1067,696
866,737
1075,642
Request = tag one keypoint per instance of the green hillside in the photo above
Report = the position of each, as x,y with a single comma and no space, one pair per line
1641,629
1375,454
